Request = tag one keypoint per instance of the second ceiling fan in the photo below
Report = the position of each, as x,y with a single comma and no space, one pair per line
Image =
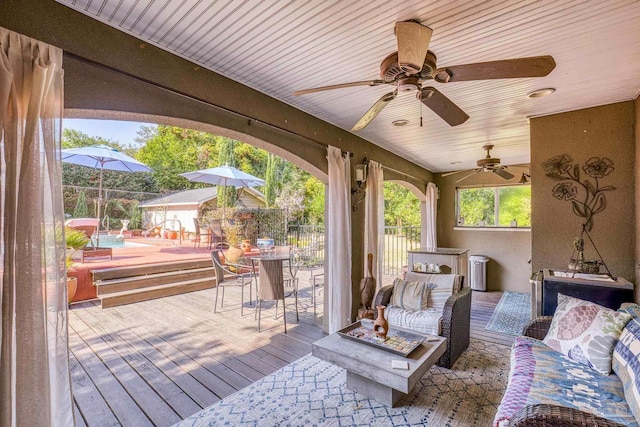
413,64
487,164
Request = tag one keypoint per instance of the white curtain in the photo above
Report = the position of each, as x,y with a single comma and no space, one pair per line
34,360
374,220
339,240
429,221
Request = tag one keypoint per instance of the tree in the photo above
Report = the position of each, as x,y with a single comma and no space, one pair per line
477,204
226,194
271,179
401,207
81,210
314,191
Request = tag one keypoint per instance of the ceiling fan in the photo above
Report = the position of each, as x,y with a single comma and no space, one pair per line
488,164
413,64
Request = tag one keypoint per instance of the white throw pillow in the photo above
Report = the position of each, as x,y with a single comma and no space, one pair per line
410,295
585,332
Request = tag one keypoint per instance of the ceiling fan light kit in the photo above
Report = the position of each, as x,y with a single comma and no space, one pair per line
413,64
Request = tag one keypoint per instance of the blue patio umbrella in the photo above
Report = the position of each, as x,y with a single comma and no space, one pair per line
102,157
225,176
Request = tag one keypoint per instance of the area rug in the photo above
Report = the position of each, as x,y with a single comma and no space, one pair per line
311,392
512,314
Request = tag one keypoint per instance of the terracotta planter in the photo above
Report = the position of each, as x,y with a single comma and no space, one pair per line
172,235
72,287
246,245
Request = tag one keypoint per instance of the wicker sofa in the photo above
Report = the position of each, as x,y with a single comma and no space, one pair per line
538,370
451,318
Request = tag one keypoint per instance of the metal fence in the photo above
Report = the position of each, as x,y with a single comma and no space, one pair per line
309,240
398,240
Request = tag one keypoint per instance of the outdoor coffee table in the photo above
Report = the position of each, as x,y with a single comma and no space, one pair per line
369,370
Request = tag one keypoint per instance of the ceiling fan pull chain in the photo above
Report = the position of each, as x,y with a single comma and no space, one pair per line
421,114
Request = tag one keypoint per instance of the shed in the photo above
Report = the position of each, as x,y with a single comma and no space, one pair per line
186,205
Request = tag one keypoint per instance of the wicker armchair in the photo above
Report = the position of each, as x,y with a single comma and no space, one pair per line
456,322
553,415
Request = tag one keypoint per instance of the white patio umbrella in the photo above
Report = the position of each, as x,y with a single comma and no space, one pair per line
102,157
225,176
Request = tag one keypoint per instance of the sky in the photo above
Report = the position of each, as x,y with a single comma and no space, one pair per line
122,132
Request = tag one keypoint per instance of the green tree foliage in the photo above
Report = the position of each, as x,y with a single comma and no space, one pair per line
81,210
314,191
515,204
477,204
401,207
227,196
271,179
170,151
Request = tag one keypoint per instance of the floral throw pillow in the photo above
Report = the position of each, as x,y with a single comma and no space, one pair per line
585,332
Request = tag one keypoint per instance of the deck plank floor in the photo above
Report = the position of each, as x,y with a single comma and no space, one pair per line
156,362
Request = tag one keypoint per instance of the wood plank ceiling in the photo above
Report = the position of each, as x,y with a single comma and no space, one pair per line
278,47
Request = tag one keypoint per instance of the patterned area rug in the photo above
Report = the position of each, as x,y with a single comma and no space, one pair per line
311,392
512,314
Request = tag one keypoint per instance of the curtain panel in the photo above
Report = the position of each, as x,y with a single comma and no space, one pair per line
374,220
34,360
429,222
339,240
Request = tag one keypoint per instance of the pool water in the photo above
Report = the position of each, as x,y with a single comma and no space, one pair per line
115,241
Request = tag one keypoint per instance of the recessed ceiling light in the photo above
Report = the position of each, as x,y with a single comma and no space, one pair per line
401,122
541,92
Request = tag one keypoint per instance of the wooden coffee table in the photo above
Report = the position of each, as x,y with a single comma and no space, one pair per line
369,370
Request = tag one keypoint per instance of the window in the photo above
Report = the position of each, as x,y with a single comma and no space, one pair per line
508,206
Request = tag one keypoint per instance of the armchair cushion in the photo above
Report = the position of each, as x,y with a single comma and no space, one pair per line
441,287
425,321
410,295
585,332
541,375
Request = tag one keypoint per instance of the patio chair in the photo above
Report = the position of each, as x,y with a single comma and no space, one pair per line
215,230
199,233
271,287
242,276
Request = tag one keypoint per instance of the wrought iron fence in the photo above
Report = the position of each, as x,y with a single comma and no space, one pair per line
309,240
398,240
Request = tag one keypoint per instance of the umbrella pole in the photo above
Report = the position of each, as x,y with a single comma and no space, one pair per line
99,203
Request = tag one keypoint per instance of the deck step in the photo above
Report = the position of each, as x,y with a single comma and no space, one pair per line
127,297
141,270
110,286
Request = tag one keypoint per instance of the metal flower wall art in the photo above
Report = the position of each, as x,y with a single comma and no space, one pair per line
586,195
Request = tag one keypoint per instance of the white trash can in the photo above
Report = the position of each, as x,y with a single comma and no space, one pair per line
478,272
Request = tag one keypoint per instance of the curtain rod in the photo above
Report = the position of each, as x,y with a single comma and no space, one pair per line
191,97
399,172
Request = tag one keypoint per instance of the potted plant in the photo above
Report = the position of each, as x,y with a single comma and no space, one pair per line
74,240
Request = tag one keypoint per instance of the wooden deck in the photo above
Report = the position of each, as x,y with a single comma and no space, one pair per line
156,362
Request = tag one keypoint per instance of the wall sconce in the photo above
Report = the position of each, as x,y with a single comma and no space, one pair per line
525,178
361,176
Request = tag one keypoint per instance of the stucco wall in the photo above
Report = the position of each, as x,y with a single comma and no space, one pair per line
606,131
509,250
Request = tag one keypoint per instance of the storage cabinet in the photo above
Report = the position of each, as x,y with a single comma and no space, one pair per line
453,260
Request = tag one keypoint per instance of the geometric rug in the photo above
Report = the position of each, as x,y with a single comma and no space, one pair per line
512,314
312,392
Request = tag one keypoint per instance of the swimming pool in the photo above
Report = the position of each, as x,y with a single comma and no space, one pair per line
116,241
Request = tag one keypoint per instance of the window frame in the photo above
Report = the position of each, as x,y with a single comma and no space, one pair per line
496,188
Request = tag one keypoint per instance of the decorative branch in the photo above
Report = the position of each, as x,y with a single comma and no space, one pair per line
560,168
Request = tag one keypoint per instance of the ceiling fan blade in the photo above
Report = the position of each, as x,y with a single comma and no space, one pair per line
413,42
374,110
465,177
536,66
452,173
503,173
442,106
339,86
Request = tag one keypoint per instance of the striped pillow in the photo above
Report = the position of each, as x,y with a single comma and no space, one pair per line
410,295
